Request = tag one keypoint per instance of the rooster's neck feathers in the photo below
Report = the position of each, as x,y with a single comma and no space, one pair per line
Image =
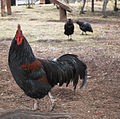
20,50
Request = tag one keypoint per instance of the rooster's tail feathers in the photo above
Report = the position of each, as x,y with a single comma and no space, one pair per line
74,69
84,79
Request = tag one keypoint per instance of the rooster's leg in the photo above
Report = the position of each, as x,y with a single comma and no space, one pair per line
82,33
85,33
70,37
74,92
35,105
52,100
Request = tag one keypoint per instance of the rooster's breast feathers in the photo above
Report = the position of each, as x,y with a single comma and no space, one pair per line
35,70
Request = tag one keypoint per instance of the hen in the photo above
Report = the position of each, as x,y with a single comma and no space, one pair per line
85,26
35,76
69,28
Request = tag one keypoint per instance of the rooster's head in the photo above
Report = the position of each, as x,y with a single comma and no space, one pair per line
19,35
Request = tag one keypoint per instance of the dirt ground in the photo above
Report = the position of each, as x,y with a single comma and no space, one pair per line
100,98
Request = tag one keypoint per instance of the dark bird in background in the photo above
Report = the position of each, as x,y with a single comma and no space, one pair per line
69,28
85,27
37,76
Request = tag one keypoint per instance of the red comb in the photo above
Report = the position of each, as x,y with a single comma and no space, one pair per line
19,27
19,35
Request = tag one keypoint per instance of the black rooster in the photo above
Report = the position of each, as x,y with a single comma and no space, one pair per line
69,28
85,26
37,76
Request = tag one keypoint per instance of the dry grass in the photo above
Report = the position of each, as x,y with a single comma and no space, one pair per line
38,23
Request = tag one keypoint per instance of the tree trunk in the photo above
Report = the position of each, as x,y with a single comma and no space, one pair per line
32,2
115,7
9,7
73,1
28,3
66,1
2,8
82,8
104,8
92,6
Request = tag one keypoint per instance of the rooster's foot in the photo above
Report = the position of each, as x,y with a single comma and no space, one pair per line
52,100
35,105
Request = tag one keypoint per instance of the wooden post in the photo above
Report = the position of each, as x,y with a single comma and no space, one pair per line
63,15
2,8
63,8
9,7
